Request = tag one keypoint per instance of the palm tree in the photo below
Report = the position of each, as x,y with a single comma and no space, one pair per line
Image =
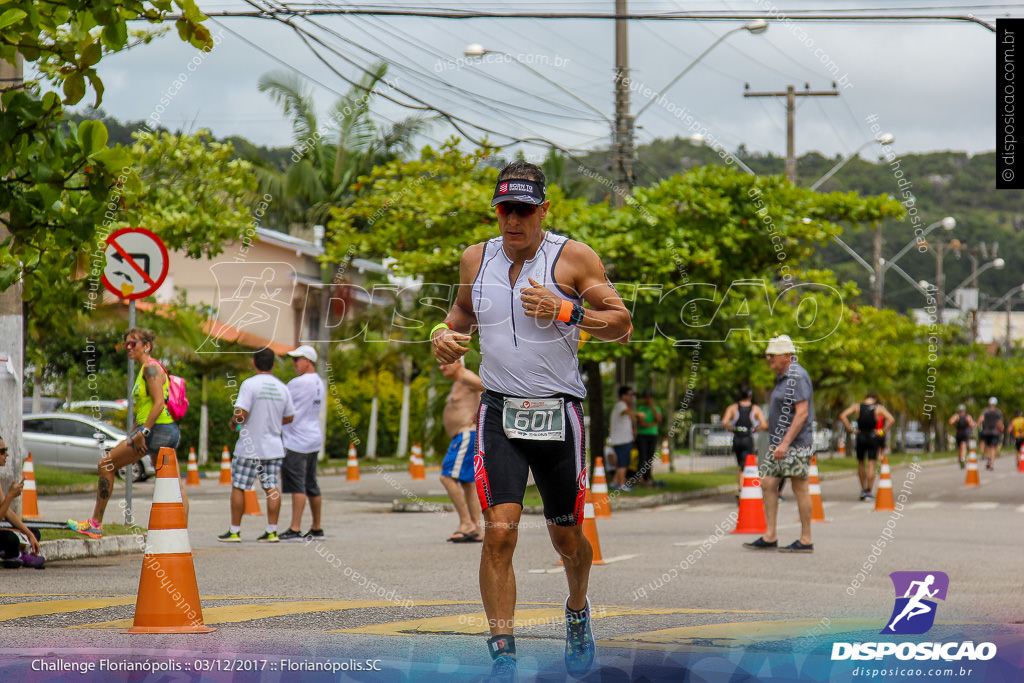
328,157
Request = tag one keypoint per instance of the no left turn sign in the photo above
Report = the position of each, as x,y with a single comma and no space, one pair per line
136,263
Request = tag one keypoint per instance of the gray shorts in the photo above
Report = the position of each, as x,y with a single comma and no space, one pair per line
298,473
796,464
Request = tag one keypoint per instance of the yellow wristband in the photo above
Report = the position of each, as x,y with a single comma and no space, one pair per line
438,327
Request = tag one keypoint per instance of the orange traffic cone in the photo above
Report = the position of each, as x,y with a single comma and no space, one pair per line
1020,459
751,513
664,452
225,467
192,475
884,499
590,530
29,500
352,473
972,469
252,503
599,491
416,470
168,562
817,508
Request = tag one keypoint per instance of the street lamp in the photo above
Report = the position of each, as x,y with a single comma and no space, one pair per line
947,223
1007,298
883,139
477,50
756,27
698,140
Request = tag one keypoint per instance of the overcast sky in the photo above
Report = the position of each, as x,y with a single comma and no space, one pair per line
930,84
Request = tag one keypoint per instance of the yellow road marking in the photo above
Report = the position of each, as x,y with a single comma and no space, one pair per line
232,614
736,633
41,607
476,623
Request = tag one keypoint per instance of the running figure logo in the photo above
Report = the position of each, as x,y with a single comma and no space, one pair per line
914,613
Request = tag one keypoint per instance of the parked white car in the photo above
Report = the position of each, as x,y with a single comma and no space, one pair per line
75,443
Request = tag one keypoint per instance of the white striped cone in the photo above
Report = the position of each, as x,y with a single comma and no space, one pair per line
192,471
599,491
29,498
972,470
168,562
664,452
883,499
225,467
814,488
416,469
751,519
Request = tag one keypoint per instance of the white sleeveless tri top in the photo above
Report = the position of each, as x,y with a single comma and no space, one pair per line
523,356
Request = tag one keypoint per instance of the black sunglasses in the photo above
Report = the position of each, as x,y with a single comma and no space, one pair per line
508,208
3,451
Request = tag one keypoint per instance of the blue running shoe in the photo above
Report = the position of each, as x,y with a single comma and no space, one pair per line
579,641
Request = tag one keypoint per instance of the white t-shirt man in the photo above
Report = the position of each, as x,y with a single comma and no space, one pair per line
302,434
621,431
267,401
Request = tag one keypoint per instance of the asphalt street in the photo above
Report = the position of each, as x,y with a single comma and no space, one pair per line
678,591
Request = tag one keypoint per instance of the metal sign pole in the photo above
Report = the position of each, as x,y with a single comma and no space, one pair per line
128,520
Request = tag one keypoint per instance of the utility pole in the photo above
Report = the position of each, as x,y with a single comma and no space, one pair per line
12,347
791,94
623,119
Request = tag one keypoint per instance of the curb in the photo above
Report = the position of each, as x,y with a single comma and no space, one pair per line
77,548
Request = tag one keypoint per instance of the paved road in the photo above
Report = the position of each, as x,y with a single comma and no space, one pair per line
678,592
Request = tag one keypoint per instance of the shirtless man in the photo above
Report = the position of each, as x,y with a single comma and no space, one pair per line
460,412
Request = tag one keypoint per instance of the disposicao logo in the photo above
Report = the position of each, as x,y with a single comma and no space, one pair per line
914,614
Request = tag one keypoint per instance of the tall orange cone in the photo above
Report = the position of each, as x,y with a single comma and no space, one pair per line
225,467
842,447
751,513
192,475
817,507
352,473
664,452
972,469
884,499
1020,459
168,599
599,491
252,503
29,500
416,470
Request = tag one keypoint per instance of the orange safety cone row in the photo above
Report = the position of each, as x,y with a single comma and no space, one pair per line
813,484
842,447
252,503
1020,459
416,470
225,467
664,452
168,599
29,498
751,518
884,499
599,491
192,475
972,470
352,473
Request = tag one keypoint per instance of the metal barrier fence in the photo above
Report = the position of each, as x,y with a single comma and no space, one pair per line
711,448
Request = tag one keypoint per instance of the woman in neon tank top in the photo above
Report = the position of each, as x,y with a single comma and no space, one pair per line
155,429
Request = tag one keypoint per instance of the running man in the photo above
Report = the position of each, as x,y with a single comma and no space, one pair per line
743,419
992,427
964,428
870,414
914,606
524,292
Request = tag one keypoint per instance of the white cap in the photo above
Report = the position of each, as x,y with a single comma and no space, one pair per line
993,401
304,352
779,345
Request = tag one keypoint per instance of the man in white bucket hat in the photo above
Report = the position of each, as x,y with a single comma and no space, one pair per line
790,445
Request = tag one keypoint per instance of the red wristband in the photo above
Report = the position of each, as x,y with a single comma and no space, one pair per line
565,312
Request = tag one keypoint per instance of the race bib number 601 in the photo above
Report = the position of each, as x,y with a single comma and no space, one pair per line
537,419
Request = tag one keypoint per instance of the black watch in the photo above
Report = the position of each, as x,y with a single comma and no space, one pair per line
145,432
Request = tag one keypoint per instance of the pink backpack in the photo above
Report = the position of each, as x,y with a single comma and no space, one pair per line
177,401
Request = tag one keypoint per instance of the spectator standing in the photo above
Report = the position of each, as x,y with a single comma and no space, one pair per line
12,540
457,475
648,417
302,443
992,427
262,408
621,436
873,421
790,445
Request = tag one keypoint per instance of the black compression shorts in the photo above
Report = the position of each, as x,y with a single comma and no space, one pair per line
502,464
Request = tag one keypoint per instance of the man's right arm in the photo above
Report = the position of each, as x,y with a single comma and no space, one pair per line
845,417
448,343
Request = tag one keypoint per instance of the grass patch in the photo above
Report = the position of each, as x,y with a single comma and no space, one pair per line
108,530
47,476
849,463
